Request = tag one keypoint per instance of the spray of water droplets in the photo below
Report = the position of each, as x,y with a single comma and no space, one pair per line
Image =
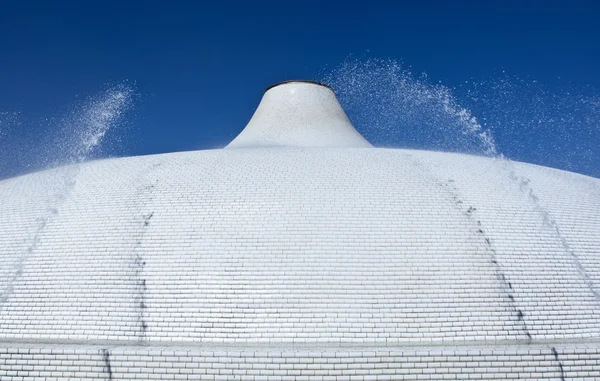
8,120
81,134
87,127
521,118
74,139
391,106
557,127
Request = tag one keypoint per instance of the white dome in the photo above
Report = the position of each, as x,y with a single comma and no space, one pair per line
288,262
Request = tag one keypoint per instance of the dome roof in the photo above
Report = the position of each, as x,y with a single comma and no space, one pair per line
293,248
300,245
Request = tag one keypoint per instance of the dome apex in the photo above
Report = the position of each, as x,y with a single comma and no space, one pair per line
290,81
299,114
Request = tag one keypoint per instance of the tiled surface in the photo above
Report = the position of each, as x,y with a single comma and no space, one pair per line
322,247
128,363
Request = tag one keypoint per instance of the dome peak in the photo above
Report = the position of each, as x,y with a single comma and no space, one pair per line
299,114
291,81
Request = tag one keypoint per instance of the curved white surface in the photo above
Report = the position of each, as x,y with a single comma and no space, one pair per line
299,114
324,246
383,261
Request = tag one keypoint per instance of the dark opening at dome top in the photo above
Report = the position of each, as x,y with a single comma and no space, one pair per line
298,81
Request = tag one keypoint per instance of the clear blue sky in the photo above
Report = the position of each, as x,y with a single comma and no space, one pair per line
200,69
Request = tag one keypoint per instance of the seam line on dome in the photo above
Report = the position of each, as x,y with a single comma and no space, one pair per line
450,188
560,365
145,193
107,366
65,185
524,185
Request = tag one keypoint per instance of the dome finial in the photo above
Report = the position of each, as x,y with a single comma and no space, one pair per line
299,114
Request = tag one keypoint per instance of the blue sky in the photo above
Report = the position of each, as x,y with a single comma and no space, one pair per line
199,69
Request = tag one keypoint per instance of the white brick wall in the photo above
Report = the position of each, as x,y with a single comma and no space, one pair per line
130,363
301,248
